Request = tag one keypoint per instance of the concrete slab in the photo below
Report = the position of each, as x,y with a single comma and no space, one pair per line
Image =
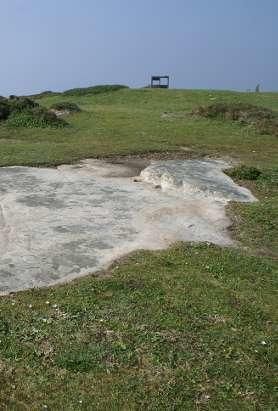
58,224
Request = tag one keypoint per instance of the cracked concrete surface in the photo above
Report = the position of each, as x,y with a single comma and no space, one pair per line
59,224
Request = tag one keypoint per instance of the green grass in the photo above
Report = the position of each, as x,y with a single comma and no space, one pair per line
188,328
256,224
132,121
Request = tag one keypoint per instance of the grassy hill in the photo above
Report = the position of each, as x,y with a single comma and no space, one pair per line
188,328
136,121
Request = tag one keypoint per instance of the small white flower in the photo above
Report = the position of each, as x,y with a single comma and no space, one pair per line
47,302
263,342
30,306
54,306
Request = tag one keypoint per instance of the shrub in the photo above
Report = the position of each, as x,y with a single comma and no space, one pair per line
47,93
18,104
263,119
66,106
38,117
94,90
244,173
236,111
4,109
24,112
268,126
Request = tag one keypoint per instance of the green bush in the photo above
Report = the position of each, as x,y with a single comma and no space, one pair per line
236,111
47,93
24,112
94,90
4,109
38,117
66,106
19,104
12,105
268,126
263,119
244,173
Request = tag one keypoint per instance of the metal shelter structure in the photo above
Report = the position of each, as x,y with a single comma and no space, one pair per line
160,82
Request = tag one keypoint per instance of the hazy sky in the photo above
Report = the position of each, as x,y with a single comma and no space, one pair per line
60,44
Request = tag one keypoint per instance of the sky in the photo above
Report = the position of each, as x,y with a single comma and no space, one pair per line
212,44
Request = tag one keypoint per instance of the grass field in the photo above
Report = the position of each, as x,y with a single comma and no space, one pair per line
188,328
132,121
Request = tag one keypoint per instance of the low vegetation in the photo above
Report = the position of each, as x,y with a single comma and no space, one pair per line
244,172
38,117
85,91
47,93
256,224
4,110
81,91
130,121
24,112
15,105
263,119
188,328
65,106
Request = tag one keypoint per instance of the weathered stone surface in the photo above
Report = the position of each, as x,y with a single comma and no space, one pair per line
58,224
